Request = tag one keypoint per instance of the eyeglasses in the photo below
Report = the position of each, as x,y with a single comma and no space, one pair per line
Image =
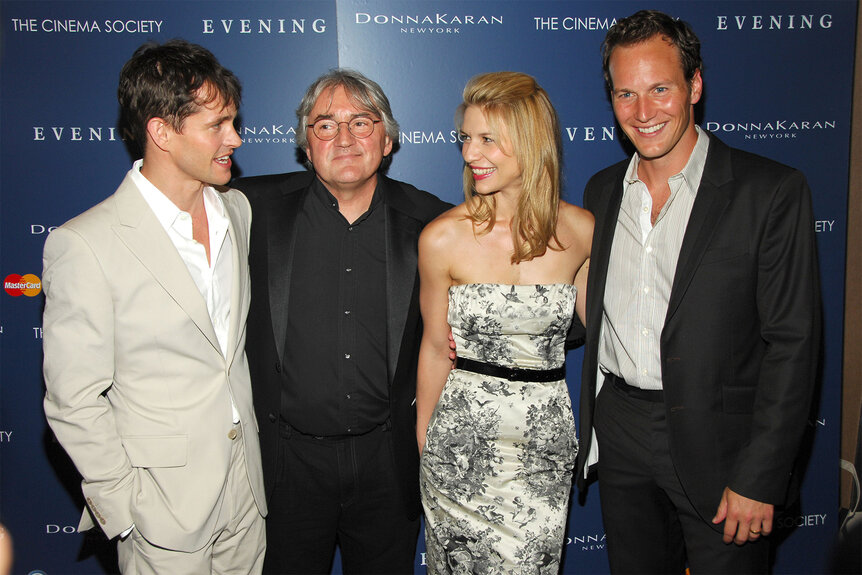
327,129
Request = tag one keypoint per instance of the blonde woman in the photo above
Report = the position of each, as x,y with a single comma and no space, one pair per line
503,270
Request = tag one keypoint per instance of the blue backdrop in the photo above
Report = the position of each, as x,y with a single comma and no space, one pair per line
778,82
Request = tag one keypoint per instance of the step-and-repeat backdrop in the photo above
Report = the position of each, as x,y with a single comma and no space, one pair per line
777,81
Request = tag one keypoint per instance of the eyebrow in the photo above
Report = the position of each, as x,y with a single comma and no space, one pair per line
482,134
331,116
223,118
650,87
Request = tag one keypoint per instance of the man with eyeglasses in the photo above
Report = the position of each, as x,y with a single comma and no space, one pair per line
333,338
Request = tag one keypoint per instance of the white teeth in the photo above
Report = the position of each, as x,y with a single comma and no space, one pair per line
651,129
482,171
223,160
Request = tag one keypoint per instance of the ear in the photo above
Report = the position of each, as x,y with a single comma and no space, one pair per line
696,87
159,132
387,146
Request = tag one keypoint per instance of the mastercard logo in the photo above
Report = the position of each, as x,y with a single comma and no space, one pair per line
29,285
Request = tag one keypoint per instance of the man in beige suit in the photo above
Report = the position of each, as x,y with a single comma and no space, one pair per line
144,332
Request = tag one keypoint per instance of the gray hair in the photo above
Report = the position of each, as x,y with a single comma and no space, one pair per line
365,93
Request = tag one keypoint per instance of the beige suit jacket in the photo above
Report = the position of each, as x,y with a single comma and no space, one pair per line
138,391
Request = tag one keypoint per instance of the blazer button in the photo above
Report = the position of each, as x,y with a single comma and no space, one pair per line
278,367
231,434
272,418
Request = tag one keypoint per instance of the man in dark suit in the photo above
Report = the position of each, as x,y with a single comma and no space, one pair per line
703,323
334,331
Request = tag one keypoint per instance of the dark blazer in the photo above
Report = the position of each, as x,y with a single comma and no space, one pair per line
275,201
740,343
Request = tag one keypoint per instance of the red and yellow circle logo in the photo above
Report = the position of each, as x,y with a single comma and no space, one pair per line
29,285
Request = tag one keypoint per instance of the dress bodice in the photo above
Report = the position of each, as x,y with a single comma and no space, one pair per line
512,325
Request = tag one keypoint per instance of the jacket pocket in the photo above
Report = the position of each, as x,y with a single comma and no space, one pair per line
721,254
156,450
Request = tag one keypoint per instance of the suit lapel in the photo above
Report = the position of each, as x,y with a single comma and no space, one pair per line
145,237
402,233
713,196
239,286
601,253
281,225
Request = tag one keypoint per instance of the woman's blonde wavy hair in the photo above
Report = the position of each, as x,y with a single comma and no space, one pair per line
525,124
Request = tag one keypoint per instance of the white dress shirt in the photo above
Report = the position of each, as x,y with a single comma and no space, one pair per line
640,275
213,277
641,269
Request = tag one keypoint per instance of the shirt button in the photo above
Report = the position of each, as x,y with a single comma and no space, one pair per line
347,396
346,356
645,209
643,371
645,332
646,290
649,249
350,229
348,270
347,312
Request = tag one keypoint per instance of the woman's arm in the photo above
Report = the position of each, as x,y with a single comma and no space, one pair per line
580,224
434,362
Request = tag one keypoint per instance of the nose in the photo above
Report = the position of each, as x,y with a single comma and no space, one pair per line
344,137
643,110
468,151
233,140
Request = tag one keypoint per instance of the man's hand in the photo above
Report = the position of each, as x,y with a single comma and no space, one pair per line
744,519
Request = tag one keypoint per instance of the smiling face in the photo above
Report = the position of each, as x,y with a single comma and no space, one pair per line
345,164
653,102
494,169
201,150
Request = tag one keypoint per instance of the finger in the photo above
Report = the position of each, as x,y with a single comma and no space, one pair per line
767,524
742,534
721,512
729,530
754,533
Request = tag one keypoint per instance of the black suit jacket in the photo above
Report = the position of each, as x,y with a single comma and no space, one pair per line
276,200
740,342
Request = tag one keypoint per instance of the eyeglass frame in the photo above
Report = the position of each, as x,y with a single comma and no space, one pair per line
338,131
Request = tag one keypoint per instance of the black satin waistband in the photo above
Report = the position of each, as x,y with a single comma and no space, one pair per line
511,373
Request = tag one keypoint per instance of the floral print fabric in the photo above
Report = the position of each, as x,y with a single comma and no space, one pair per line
496,471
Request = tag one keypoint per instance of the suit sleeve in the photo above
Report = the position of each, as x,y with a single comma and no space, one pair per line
788,303
246,213
78,336
577,334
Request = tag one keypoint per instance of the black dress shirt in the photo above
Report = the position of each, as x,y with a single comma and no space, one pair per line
336,377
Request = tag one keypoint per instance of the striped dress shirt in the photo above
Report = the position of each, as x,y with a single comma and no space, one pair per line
641,270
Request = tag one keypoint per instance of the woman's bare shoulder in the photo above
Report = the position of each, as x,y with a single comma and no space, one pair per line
447,229
574,221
